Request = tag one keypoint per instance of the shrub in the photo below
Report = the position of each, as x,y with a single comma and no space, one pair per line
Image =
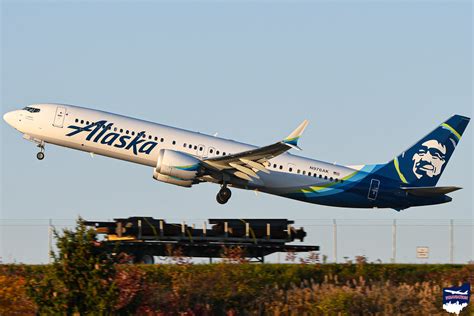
79,281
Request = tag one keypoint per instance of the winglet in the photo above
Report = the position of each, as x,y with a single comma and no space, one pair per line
292,139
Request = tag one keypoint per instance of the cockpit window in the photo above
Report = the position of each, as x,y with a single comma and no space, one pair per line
31,110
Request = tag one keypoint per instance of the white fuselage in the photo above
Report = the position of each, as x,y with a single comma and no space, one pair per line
54,121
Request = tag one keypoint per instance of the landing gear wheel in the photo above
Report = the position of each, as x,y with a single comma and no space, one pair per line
223,195
40,155
147,259
220,200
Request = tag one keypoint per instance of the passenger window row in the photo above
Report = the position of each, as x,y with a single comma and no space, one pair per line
303,172
201,149
150,137
126,131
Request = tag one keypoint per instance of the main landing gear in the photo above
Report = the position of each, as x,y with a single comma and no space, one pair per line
223,195
40,155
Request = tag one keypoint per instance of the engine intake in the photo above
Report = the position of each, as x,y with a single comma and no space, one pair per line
176,168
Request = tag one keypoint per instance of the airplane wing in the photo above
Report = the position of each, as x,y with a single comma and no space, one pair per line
429,191
245,164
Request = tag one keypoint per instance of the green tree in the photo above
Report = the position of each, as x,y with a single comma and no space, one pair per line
80,281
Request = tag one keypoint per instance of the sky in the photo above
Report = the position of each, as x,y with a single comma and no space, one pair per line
372,77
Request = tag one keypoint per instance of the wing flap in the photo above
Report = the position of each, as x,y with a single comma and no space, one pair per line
245,170
246,164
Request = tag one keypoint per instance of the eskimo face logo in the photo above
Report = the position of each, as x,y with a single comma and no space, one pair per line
429,159
104,135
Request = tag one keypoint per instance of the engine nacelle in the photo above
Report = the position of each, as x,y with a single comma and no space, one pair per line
171,180
176,168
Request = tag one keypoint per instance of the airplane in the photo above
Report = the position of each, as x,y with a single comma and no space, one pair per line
456,292
185,158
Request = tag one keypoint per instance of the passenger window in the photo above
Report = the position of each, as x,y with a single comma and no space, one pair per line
115,129
314,175
190,146
223,154
325,177
309,174
126,132
217,152
331,179
304,172
184,145
299,171
320,176
77,121
281,167
121,130
82,121
200,148
162,139
211,151
291,169
274,165
87,122
174,142
156,139
195,147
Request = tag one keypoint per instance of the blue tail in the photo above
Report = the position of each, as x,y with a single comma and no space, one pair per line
422,164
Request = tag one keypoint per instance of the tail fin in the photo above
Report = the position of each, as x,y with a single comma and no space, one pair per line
423,163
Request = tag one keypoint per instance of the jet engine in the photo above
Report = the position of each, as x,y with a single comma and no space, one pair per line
176,168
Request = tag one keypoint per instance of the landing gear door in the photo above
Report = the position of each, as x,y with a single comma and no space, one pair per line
373,190
59,117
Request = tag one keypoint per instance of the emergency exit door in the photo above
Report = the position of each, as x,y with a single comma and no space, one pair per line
374,189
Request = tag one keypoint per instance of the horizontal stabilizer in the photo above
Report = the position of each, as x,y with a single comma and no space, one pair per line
429,191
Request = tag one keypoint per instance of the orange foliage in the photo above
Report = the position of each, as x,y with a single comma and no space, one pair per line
13,299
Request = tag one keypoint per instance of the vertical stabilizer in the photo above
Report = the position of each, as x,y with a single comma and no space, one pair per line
423,163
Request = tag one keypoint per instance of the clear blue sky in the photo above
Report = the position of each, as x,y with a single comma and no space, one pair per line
372,77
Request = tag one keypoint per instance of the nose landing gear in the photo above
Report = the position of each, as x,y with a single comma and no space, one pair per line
40,155
223,195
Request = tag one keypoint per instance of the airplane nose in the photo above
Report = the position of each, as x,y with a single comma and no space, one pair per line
10,117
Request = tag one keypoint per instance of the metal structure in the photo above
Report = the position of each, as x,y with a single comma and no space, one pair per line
146,237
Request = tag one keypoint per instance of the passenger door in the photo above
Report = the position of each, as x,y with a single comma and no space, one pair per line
59,117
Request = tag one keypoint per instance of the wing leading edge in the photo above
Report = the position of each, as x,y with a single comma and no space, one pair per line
246,164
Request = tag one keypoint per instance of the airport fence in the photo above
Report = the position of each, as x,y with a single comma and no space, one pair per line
341,240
